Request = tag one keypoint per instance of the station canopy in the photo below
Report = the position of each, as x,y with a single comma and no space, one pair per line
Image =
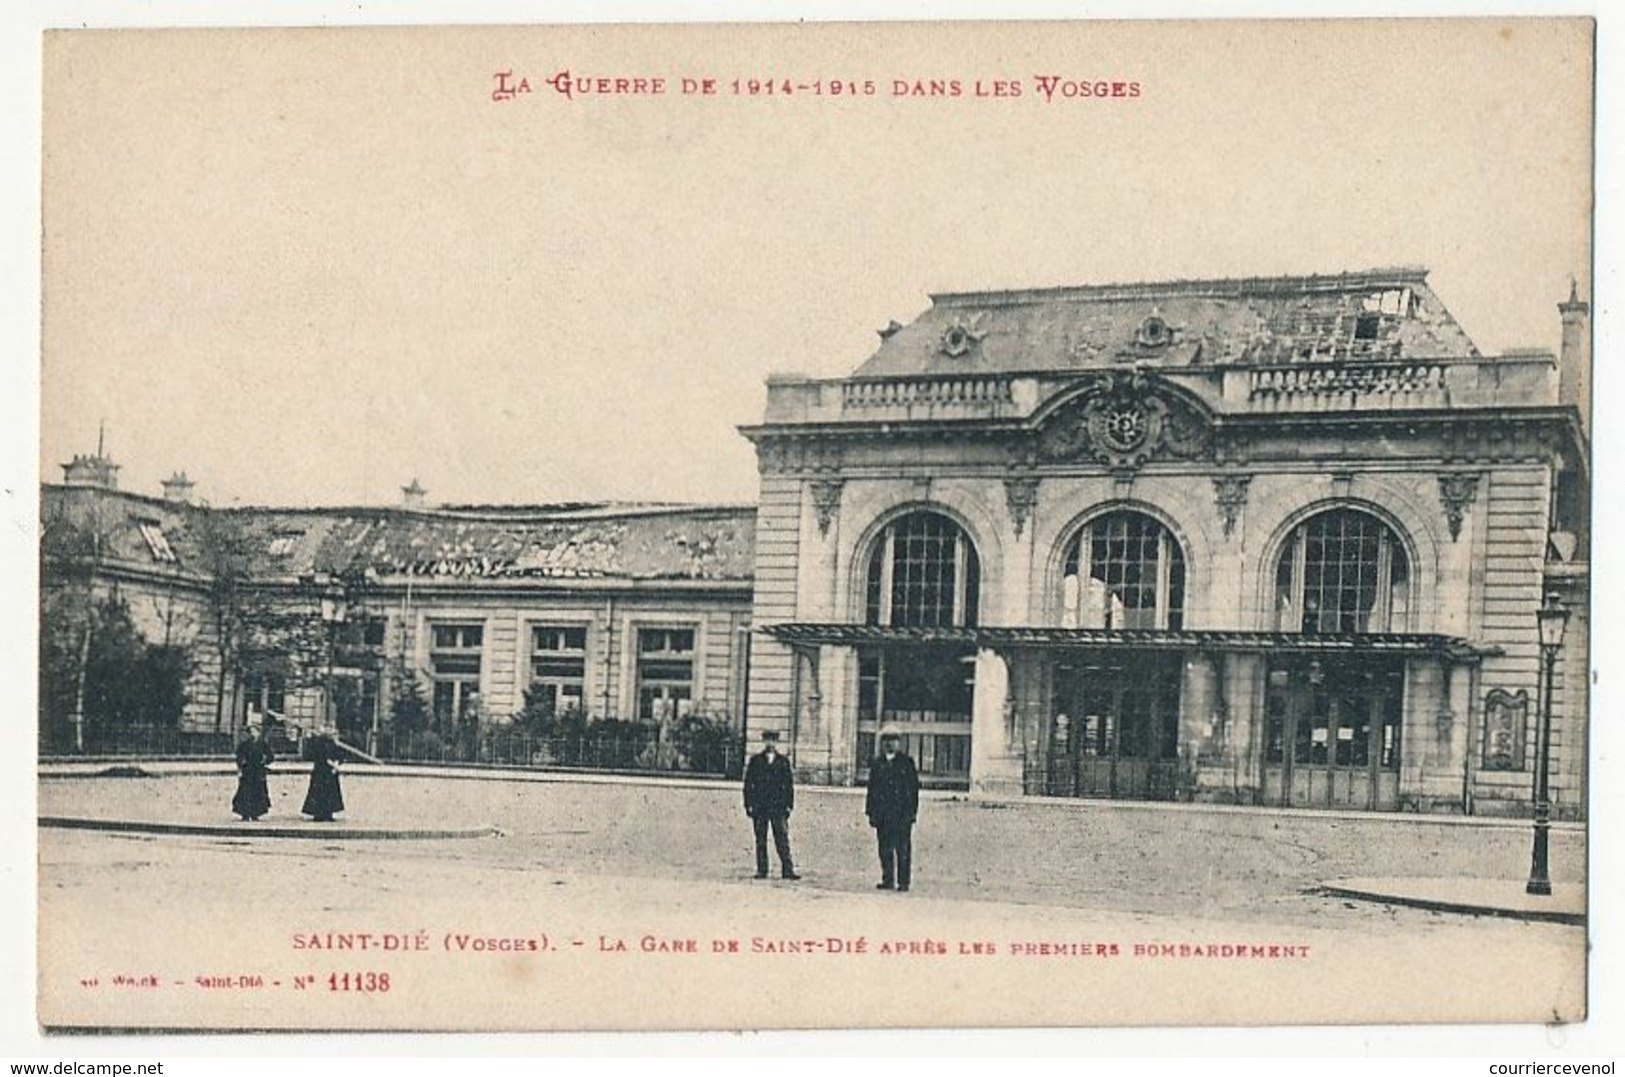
1019,637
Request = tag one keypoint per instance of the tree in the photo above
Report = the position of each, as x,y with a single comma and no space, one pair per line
226,554
160,695
408,705
257,629
65,633
106,669
74,535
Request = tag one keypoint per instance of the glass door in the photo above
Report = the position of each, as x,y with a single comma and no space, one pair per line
1116,730
1332,733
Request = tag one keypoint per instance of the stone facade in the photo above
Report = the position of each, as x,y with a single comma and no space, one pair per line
1253,446
1270,541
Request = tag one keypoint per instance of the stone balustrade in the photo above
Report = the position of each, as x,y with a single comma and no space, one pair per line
1336,385
908,392
1306,386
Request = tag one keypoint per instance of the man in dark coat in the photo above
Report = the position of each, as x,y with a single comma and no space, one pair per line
770,796
254,760
324,797
892,805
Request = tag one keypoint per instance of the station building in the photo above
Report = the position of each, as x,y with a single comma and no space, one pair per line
1266,541
1271,541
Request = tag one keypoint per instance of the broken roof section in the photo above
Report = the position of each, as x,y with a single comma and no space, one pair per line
664,542
1375,315
603,541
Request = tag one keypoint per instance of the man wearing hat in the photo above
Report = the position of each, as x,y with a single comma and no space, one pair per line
770,795
892,804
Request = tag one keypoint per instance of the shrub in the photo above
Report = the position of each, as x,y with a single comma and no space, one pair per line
705,743
409,709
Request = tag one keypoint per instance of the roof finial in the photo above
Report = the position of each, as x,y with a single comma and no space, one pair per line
1573,306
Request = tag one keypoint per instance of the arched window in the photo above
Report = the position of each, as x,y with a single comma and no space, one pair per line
923,574
1342,571
1124,570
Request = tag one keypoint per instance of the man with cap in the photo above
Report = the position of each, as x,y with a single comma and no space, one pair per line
892,804
770,796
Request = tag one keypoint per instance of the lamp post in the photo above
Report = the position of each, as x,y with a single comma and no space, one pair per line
1551,618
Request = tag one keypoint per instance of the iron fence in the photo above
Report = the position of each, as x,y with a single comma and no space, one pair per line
137,741
638,749
631,748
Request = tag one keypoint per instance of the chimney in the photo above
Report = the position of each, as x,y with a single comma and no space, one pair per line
1574,361
91,470
178,489
413,496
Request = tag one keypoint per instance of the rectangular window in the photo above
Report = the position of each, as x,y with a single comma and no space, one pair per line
665,673
1353,747
869,683
152,532
264,693
1393,713
283,543
357,637
558,665
454,663
1276,716
459,636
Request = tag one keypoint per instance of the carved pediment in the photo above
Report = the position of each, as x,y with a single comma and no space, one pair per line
1124,420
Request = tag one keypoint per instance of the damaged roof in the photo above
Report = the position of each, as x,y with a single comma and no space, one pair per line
627,542
1374,315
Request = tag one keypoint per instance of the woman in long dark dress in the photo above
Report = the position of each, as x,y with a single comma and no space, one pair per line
254,760
324,797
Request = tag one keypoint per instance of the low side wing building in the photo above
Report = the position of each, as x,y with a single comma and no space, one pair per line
324,618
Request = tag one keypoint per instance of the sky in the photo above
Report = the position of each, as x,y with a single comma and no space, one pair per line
308,267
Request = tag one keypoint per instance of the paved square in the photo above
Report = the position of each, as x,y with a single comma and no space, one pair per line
613,904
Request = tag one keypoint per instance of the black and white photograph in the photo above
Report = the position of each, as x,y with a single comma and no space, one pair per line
913,525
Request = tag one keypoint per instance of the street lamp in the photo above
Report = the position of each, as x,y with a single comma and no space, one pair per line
1552,618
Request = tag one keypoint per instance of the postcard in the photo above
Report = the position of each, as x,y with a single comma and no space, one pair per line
971,524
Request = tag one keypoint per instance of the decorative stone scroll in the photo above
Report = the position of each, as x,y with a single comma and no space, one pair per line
1020,495
1456,493
1230,495
826,494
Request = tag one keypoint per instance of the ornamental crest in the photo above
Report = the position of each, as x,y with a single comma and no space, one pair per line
1123,421
962,335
